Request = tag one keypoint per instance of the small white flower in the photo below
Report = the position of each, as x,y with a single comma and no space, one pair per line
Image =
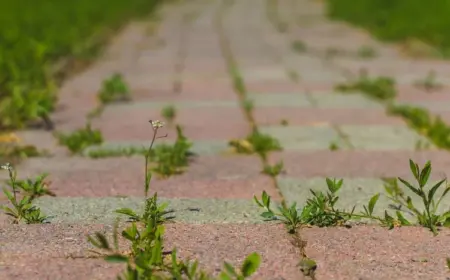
6,166
157,124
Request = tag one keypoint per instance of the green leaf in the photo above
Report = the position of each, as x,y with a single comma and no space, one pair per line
102,240
267,215
250,265
224,276
257,201
434,189
448,263
230,269
127,211
402,219
116,258
372,203
425,174
414,169
266,199
416,191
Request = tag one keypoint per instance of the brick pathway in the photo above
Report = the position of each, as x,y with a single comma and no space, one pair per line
188,55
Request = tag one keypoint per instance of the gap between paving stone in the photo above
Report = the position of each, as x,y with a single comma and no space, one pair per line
101,210
354,192
158,105
198,147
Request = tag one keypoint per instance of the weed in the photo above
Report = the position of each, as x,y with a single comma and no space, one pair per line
22,210
293,75
114,89
169,113
320,209
429,217
380,88
429,83
238,81
29,70
332,52
248,106
434,128
308,267
273,170
334,146
299,46
366,52
172,159
82,138
256,142
448,263
146,257
284,122
34,188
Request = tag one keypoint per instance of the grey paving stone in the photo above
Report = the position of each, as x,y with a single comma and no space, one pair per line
381,137
336,100
304,137
101,210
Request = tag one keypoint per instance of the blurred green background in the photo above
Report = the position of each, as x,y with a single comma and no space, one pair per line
397,20
34,34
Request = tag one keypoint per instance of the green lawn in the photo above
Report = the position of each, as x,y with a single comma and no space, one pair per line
36,33
398,20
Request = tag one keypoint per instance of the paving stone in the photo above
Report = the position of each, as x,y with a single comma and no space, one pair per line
230,242
360,164
209,123
228,177
377,137
437,105
280,99
310,116
272,87
336,100
370,252
101,209
304,137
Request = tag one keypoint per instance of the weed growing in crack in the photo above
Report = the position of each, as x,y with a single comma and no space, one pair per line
274,170
434,128
172,159
333,146
146,258
299,46
380,88
169,113
114,89
80,139
248,106
284,122
320,209
115,152
429,217
293,75
23,209
34,188
366,52
256,143
429,83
